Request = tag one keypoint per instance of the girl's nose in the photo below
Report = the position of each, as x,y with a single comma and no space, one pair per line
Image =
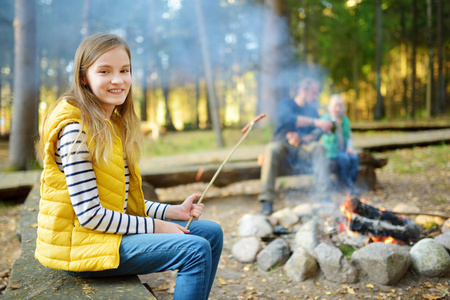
117,79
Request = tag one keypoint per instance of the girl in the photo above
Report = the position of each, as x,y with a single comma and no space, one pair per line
93,219
338,143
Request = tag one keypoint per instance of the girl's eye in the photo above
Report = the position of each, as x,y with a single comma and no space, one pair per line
125,71
103,72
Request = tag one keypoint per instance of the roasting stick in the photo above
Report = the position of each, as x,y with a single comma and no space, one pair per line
245,131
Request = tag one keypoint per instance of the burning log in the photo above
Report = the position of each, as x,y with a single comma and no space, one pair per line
371,212
379,228
378,223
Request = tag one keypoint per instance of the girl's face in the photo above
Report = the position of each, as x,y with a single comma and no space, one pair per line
336,108
109,78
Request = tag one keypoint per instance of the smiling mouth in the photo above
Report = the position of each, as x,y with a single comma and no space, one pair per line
116,91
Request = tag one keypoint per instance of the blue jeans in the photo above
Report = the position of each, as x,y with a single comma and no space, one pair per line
280,158
348,168
195,255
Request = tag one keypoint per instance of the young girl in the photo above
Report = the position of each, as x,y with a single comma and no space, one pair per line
338,142
93,219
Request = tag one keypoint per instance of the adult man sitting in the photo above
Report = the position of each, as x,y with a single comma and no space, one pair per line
295,121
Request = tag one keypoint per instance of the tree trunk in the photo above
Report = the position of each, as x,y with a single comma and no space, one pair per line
86,28
197,101
441,95
212,97
355,65
144,116
165,89
61,80
379,106
270,87
413,60
429,93
24,124
404,57
305,34
1,97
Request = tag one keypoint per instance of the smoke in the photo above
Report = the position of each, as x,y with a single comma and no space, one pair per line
165,40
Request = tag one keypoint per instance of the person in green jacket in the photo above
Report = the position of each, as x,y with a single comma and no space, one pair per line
338,143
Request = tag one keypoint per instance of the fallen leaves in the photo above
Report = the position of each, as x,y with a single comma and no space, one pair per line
222,281
434,296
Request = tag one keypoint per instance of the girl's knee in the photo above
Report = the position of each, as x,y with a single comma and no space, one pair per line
216,229
215,233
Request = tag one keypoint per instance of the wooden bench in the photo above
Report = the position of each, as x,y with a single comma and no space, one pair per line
241,170
30,280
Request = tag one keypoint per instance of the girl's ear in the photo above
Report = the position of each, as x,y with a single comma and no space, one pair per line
83,80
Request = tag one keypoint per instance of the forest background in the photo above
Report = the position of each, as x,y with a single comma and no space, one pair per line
213,65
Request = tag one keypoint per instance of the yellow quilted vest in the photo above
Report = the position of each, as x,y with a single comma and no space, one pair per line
62,243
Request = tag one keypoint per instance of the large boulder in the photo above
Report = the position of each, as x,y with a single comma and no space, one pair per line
383,263
430,258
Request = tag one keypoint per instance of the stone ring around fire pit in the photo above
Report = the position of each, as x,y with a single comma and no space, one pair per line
308,247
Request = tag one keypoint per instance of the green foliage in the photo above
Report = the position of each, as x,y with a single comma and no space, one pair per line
347,250
439,199
201,140
430,225
409,161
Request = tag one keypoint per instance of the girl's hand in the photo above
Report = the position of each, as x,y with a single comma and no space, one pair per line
189,209
167,227
293,138
184,211
350,151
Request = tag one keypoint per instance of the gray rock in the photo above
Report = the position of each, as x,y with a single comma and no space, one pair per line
383,263
444,240
304,209
301,266
334,264
246,249
276,253
285,217
254,225
350,238
430,259
307,236
446,226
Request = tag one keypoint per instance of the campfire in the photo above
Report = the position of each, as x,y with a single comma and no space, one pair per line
378,223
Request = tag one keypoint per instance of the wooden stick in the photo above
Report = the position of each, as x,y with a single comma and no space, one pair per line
246,131
421,213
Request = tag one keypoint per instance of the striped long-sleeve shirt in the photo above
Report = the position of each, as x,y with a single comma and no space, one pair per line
82,187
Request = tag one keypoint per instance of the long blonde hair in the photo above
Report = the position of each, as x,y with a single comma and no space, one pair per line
124,118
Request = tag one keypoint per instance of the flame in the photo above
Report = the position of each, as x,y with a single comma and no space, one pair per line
386,240
347,210
342,227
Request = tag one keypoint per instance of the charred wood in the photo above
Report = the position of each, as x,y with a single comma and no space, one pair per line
371,212
380,228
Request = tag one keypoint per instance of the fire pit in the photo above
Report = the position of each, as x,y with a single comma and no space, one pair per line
379,224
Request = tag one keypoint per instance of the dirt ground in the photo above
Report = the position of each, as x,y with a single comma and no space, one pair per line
244,281
424,185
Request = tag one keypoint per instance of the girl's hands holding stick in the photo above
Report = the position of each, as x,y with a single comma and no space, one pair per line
186,209
180,212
